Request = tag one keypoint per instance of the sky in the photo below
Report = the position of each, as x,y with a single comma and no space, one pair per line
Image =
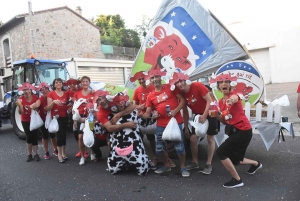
256,13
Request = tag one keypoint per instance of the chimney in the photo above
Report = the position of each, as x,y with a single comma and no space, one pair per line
78,10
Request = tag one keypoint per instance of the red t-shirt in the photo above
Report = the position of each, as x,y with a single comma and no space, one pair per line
159,100
61,110
298,90
42,111
102,115
239,119
194,98
140,94
25,116
89,99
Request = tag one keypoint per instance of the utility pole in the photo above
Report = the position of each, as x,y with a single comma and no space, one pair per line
31,34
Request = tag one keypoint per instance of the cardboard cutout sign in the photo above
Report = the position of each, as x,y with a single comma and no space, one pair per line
250,83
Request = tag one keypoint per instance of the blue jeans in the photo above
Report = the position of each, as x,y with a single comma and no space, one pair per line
160,144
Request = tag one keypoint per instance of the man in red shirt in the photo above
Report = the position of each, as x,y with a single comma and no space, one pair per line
159,99
139,99
198,100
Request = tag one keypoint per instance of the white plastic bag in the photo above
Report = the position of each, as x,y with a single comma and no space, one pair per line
48,119
76,116
200,129
35,120
172,131
88,135
53,126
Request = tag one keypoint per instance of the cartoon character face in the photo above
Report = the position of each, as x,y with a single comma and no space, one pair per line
191,100
168,44
242,90
162,97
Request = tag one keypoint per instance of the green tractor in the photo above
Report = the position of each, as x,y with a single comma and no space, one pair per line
33,71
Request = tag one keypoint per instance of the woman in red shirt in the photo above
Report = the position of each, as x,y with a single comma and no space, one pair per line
232,151
41,104
86,94
57,101
24,102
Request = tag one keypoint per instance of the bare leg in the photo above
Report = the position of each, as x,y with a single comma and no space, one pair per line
29,148
194,148
81,145
230,167
63,151
45,145
210,148
54,144
182,160
164,157
59,149
247,161
35,147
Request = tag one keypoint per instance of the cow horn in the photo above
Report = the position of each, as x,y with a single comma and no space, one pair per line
170,28
193,57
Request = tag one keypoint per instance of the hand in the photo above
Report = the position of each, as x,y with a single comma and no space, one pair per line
187,133
142,106
132,124
202,119
57,102
172,113
19,103
115,119
155,115
229,102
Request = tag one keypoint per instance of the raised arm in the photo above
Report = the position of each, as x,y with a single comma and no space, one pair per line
126,111
114,128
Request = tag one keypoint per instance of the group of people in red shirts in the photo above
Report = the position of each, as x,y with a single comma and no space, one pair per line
150,99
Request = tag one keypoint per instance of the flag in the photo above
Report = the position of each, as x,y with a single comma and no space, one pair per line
185,37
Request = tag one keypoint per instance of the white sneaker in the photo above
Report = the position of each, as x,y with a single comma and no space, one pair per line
93,157
82,161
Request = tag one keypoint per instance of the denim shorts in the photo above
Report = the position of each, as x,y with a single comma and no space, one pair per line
161,145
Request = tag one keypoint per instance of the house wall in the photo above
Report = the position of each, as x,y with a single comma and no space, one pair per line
281,65
61,33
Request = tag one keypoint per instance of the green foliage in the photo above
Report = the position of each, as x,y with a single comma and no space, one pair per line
1,23
143,28
115,33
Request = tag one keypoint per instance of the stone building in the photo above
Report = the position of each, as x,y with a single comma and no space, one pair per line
55,33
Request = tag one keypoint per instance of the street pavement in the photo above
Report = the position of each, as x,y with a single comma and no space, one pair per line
49,180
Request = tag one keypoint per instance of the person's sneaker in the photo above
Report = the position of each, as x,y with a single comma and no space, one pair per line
172,164
163,169
254,168
96,160
86,155
29,158
184,172
47,156
82,161
37,157
207,169
233,183
93,157
55,152
78,155
151,165
192,165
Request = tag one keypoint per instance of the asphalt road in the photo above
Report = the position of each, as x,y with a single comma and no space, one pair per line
279,179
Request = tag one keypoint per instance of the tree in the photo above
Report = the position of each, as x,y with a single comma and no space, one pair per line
115,33
131,39
143,28
1,23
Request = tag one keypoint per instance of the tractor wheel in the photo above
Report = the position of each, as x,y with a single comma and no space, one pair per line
16,122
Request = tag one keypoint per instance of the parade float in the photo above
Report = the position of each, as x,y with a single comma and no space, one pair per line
186,37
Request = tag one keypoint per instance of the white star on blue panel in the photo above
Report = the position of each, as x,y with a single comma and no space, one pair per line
203,52
194,37
173,14
183,24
